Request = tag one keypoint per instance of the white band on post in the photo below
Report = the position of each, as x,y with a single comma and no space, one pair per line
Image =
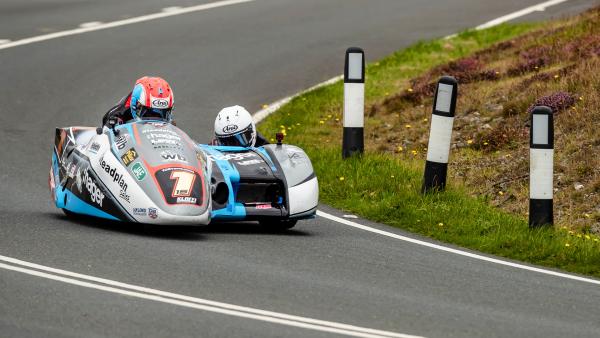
354,103
541,173
438,149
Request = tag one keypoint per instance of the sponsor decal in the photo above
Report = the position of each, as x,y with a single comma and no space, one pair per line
124,196
162,135
95,194
249,162
171,156
296,157
138,171
153,213
140,211
168,131
160,103
94,148
129,156
79,181
168,146
263,206
180,185
232,156
230,128
114,173
71,169
165,143
121,141
186,200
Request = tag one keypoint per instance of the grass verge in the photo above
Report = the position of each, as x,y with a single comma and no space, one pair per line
383,185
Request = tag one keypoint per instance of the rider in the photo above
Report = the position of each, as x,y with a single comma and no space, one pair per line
234,126
150,99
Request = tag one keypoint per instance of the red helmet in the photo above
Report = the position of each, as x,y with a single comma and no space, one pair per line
151,99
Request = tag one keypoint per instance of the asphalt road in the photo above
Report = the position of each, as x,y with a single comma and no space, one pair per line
249,54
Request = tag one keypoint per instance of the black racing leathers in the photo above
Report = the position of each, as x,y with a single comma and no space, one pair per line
121,111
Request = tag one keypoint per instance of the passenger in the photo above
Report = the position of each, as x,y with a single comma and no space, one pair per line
234,126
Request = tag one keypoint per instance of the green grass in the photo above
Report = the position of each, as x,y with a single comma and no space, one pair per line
386,189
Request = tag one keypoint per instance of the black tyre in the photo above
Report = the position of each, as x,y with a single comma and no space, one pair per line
278,225
69,213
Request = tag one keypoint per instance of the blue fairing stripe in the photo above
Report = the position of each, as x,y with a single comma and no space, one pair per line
264,152
76,205
232,178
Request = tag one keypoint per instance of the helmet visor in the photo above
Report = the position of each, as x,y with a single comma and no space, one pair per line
146,113
244,138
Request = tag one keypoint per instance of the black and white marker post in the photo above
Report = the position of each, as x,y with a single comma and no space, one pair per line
541,167
354,102
442,120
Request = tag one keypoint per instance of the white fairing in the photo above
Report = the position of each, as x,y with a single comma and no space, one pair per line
303,187
126,190
354,105
438,149
304,196
540,173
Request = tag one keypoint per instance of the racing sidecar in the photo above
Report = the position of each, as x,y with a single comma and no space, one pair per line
153,172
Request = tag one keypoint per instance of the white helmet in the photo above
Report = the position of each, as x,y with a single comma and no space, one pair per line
234,127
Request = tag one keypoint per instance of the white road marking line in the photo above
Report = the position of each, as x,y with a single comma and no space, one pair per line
192,302
90,24
535,8
455,251
3,41
263,113
123,22
171,9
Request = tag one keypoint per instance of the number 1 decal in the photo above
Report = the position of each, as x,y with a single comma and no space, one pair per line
184,181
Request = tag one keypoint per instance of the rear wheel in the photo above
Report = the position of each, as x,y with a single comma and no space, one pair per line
278,225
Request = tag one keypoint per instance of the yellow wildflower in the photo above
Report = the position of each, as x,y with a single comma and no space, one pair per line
567,245
469,141
341,178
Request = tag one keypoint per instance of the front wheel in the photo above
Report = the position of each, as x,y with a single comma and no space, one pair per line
278,225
